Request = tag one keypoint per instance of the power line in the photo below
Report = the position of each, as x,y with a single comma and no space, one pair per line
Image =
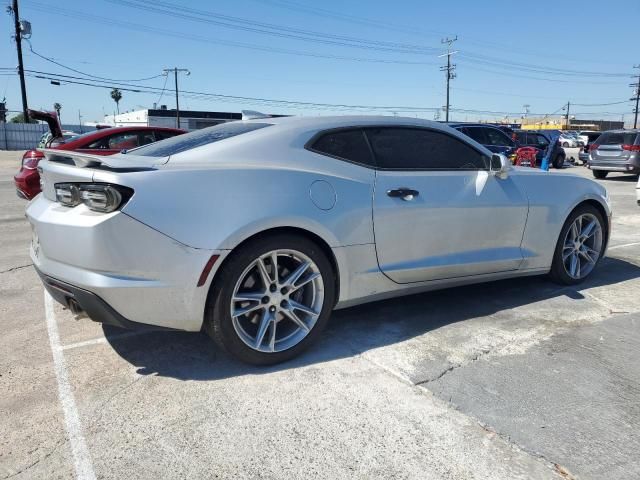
87,74
237,23
273,102
34,5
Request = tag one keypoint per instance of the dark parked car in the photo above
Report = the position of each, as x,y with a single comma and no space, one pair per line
588,138
615,151
100,142
542,140
489,136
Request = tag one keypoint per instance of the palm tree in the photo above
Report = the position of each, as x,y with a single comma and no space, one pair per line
116,95
57,107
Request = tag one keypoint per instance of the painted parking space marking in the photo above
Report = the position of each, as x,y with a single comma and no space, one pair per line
100,340
81,456
624,245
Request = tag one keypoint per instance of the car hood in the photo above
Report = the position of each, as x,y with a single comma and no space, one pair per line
50,118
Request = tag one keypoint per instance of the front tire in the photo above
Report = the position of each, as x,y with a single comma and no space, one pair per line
600,174
558,162
580,246
271,300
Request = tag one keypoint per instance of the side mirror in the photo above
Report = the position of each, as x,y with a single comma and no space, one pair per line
500,165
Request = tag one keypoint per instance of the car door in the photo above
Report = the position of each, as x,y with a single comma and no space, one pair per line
438,211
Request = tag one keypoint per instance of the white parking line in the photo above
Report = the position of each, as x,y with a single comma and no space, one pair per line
81,456
96,341
625,245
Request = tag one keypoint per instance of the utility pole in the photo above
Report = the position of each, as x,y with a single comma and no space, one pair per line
449,69
175,76
637,98
18,38
566,116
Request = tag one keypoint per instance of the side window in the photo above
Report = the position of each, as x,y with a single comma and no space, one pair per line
146,137
477,134
121,141
541,141
416,149
98,144
346,144
161,135
521,137
496,137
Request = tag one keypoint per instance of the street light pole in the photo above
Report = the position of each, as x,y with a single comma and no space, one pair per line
175,71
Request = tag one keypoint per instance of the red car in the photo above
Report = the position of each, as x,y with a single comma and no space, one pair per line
100,142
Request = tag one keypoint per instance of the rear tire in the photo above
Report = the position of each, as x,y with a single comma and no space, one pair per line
577,242
279,324
558,162
600,174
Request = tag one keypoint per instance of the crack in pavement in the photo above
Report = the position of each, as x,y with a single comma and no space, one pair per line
13,269
455,366
33,464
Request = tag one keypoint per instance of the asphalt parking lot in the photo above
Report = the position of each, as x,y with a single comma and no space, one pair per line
512,379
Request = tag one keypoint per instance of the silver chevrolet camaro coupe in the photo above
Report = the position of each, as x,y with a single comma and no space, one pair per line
254,231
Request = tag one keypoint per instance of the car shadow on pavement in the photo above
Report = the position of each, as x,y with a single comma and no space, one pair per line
621,178
192,356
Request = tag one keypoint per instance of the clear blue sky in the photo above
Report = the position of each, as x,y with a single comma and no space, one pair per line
107,38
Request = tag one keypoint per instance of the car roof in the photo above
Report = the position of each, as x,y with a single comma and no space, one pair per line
335,121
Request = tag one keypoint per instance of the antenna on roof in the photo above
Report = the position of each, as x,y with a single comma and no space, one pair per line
252,114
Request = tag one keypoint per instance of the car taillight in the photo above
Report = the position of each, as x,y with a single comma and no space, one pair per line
31,158
631,148
99,197
593,146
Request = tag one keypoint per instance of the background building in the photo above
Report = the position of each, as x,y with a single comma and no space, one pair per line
163,117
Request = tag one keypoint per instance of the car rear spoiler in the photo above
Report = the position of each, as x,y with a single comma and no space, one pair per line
119,161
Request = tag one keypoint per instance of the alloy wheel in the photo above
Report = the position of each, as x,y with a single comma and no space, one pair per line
582,246
277,300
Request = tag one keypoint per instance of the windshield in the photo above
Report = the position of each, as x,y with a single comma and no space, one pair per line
188,141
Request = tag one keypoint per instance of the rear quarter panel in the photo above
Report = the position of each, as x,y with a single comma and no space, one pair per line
552,197
220,204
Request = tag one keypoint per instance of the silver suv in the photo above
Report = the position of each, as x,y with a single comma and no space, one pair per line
615,151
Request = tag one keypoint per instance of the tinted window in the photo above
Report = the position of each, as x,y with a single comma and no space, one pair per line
617,138
122,141
476,133
410,149
521,137
348,144
496,137
539,140
162,134
188,141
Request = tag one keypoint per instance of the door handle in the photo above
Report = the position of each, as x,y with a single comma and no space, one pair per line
406,194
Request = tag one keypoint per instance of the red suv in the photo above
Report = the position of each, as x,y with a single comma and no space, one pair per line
100,142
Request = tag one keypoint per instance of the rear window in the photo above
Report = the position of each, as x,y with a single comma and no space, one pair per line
346,144
188,141
617,138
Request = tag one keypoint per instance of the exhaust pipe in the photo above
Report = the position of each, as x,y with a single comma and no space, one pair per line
76,309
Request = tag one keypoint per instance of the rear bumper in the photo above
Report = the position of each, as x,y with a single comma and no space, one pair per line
95,307
630,166
27,183
137,272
